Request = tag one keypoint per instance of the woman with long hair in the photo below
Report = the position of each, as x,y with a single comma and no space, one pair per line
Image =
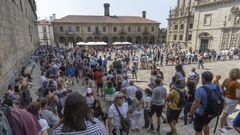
78,118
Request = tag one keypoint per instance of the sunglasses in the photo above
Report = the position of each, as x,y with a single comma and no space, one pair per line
120,97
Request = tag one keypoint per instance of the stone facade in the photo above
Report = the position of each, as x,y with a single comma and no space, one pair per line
180,24
45,31
73,29
205,24
216,25
162,35
18,37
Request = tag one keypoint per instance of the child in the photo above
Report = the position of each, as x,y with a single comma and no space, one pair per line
146,105
90,98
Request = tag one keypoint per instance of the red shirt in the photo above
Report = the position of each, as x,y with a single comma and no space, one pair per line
98,77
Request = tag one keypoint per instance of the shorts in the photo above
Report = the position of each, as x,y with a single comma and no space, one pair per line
99,85
230,105
172,115
200,121
156,109
236,121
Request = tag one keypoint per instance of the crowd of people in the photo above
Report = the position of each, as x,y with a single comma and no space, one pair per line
109,102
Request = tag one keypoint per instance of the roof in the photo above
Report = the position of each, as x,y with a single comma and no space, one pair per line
104,19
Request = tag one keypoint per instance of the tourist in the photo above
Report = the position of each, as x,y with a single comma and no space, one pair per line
175,105
137,111
191,88
53,100
109,91
230,86
159,94
201,109
131,90
99,81
200,60
90,98
217,79
193,76
146,106
35,108
78,118
114,120
180,75
134,70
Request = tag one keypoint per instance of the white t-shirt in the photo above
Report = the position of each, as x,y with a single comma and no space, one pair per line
146,101
43,124
112,113
131,90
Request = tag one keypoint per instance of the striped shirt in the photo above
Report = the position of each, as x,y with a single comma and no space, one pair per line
92,129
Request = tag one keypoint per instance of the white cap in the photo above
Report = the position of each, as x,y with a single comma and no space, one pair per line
89,90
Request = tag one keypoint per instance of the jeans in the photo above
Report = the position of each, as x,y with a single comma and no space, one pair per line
187,109
136,119
146,120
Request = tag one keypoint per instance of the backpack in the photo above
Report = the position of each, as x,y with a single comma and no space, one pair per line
182,98
215,102
6,121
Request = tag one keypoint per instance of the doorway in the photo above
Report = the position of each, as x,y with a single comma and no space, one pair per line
204,45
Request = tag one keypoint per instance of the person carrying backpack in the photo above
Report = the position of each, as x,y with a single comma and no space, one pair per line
176,100
207,105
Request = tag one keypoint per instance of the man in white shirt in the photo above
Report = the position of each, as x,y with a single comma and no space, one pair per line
131,90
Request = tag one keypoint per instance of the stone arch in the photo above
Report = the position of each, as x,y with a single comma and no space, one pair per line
114,39
97,39
89,39
145,39
78,39
105,39
70,40
122,39
152,40
205,35
62,40
138,40
129,39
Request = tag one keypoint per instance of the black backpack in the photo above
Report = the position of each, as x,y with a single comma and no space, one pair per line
215,102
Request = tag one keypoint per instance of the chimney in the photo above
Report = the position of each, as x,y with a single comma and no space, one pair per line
106,9
144,14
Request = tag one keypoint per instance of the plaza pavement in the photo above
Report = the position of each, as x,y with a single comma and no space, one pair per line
221,68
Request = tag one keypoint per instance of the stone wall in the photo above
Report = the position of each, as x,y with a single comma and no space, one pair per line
18,37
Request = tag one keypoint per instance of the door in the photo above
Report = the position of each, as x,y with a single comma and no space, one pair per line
204,45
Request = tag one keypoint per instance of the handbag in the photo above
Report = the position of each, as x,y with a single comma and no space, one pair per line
126,123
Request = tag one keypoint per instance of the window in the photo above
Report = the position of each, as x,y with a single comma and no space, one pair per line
189,37
114,29
175,37
191,26
152,29
139,29
77,29
181,37
69,29
89,29
129,29
104,29
96,29
175,27
207,19
182,26
44,29
61,28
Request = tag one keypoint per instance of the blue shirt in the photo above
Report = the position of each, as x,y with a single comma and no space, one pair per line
202,96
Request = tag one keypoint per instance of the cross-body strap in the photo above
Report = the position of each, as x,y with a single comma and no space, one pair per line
120,115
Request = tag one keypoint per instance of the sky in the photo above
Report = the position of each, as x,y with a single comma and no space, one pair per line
157,10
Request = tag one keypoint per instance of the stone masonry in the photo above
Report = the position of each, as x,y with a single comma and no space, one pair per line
18,37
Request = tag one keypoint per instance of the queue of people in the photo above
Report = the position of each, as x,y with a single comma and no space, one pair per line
112,103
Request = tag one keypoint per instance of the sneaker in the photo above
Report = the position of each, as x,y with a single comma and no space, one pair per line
169,133
223,130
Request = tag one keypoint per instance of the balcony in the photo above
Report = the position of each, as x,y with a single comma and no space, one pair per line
97,33
69,32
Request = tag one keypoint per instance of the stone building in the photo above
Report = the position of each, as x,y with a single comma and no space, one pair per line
18,37
216,25
180,24
107,28
205,24
45,32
